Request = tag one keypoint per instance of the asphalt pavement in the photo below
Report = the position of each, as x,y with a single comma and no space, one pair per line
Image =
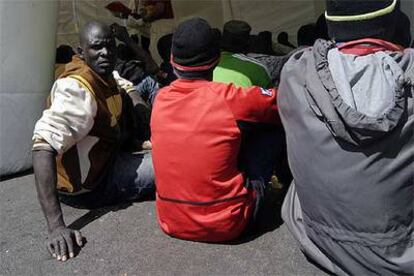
126,240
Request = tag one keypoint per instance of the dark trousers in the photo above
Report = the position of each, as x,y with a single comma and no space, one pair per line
130,178
260,153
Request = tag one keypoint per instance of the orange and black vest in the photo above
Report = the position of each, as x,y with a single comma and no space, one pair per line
106,130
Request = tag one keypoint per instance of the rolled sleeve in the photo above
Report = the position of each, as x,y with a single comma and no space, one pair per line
69,118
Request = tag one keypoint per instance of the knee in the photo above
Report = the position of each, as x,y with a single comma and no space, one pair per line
146,174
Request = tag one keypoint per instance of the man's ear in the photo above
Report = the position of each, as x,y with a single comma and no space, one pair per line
80,52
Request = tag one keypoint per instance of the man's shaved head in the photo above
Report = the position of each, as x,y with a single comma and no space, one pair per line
90,29
98,48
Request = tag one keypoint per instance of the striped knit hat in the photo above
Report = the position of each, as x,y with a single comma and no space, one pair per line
355,19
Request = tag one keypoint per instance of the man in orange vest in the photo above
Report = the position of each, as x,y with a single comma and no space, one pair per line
78,140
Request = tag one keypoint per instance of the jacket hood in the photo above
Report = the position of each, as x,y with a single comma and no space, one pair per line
365,97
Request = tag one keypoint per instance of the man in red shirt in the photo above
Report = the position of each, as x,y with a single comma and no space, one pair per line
201,193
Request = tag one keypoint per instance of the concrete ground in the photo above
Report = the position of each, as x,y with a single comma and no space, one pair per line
126,240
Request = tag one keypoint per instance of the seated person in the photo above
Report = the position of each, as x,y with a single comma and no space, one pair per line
321,29
201,193
262,144
262,44
78,139
306,35
145,13
283,38
128,67
282,44
134,50
137,66
164,50
64,55
141,14
234,65
347,109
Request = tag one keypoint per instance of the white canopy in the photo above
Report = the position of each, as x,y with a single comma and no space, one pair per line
28,40
270,15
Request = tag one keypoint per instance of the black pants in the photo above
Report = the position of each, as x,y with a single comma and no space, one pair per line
260,152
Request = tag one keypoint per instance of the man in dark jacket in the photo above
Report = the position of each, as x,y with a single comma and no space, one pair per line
347,108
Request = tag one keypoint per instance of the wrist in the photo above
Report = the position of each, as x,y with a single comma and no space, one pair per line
56,228
56,224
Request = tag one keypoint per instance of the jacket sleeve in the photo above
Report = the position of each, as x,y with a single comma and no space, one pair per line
69,118
254,104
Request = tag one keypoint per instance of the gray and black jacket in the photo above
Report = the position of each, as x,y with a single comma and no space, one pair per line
349,125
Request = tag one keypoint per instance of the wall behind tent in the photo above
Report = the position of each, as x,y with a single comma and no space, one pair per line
27,35
272,15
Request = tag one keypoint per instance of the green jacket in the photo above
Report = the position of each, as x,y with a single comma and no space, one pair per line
241,70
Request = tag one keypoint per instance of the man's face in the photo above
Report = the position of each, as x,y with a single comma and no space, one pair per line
99,51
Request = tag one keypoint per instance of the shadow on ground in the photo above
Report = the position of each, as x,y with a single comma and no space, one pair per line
126,239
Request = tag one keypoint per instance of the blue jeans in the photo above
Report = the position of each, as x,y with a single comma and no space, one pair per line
130,178
148,89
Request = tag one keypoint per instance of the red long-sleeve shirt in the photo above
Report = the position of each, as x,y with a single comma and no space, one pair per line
200,192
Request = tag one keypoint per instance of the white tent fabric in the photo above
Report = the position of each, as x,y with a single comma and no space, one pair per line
27,44
27,73
27,47
271,15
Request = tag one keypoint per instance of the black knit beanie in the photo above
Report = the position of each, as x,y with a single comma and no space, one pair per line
195,46
236,35
355,19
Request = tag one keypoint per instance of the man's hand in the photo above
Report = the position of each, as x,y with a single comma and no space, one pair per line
60,243
60,239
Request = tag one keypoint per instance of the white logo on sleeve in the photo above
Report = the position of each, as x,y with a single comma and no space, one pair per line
267,92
